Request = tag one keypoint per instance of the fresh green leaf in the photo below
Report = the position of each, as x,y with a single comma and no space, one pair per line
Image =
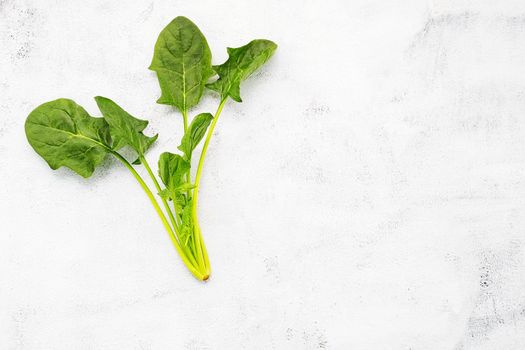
182,60
172,168
187,223
166,194
242,62
195,133
64,134
180,201
185,186
125,129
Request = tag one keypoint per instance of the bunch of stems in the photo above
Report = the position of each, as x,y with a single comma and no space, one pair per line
190,245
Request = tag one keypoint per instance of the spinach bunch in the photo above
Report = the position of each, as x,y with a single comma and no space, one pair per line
64,134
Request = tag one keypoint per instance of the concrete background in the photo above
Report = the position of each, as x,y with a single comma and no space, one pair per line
369,193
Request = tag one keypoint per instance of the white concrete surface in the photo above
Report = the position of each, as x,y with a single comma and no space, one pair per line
369,193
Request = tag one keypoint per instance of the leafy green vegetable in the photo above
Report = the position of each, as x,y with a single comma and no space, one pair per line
125,129
242,62
187,231
64,134
182,60
172,168
195,133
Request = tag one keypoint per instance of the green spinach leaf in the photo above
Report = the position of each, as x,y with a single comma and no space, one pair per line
195,133
64,134
172,168
187,223
242,62
182,60
125,129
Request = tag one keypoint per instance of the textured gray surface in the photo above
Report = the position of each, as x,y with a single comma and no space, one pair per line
368,194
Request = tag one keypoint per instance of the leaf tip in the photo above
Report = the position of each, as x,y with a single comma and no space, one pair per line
101,99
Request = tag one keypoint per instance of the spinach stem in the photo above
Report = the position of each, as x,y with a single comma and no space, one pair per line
202,254
159,189
187,177
185,119
160,213
174,236
168,209
188,173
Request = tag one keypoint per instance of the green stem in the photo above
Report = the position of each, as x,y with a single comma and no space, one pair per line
165,222
202,254
159,189
159,211
187,178
188,173
168,210
185,119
